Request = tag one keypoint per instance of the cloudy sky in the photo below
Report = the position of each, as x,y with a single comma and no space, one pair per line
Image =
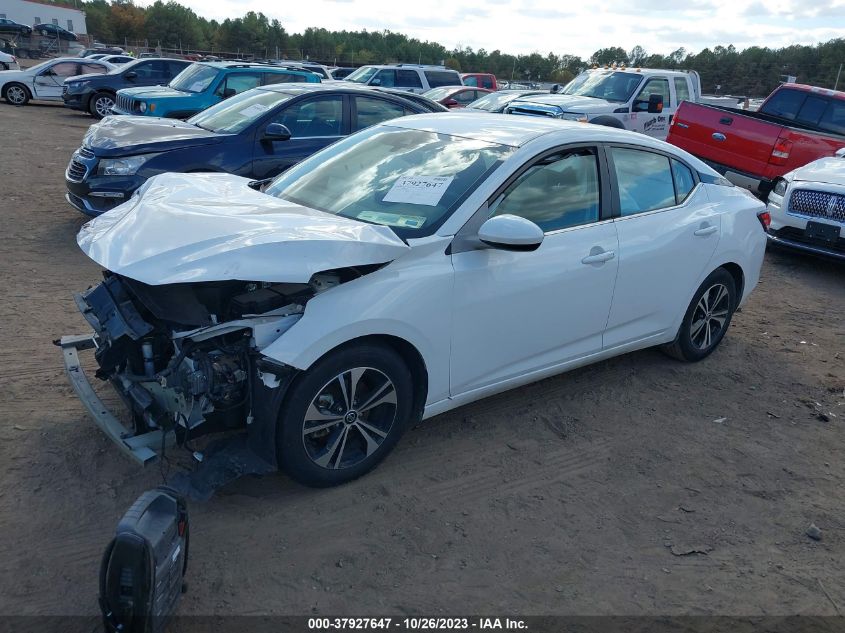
579,28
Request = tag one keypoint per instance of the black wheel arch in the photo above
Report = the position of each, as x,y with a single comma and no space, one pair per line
608,121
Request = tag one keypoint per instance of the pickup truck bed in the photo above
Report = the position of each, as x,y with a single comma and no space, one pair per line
751,149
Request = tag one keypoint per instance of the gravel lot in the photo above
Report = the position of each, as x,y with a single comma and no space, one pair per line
581,494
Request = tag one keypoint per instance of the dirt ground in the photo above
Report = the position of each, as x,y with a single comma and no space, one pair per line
581,494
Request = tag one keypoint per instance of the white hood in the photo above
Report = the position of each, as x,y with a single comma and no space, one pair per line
828,170
182,228
570,103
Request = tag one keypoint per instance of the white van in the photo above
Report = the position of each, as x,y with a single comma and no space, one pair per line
638,99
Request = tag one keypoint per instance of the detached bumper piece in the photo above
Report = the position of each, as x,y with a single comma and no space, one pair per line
141,448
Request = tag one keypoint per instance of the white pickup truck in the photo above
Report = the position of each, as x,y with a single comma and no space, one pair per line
638,99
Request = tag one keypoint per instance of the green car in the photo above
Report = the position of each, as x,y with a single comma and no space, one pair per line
203,84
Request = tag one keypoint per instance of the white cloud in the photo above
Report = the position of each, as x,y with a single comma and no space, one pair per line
526,26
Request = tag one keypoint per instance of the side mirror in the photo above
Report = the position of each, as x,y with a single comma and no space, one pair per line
276,132
131,75
375,82
840,153
450,103
511,233
229,92
655,104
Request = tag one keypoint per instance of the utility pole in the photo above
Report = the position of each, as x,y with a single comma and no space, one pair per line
839,72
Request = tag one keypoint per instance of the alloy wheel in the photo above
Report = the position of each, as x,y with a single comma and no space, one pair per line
103,106
349,418
16,95
711,313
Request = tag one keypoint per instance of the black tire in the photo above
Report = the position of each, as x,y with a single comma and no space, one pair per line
691,343
97,104
344,439
16,94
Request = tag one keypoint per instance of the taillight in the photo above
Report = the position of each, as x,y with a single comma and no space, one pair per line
780,152
765,219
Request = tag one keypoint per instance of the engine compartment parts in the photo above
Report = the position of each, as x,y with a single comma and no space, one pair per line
143,567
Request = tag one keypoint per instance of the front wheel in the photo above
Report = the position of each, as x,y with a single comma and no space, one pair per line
344,415
707,319
16,94
101,105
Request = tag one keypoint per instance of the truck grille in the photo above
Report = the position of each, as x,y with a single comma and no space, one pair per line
124,103
534,111
817,204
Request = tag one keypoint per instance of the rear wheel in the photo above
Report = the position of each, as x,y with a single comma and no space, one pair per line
344,415
16,94
707,319
101,104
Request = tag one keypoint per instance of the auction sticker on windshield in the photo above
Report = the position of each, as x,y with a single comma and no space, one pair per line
392,219
425,190
254,109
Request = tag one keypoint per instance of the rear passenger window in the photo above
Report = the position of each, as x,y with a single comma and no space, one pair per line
784,104
408,79
684,182
556,193
645,181
812,110
94,69
437,78
681,89
487,82
372,111
834,117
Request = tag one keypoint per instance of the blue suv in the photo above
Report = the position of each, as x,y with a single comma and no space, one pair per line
202,85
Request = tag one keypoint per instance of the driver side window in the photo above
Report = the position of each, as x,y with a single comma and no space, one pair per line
557,192
654,86
64,69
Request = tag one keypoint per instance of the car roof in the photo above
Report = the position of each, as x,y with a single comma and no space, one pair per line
235,65
333,86
508,129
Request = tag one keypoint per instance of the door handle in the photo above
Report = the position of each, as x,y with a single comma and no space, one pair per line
598,258
718,136
706,230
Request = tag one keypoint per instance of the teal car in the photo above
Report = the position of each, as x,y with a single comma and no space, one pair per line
201,85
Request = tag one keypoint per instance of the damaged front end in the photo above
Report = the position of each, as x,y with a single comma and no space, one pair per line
185,358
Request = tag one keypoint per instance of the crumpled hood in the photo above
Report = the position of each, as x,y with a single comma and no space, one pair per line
569,103
121,135
183,228
829,170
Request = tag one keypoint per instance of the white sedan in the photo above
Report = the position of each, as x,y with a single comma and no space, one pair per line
44,81
807,208
406,270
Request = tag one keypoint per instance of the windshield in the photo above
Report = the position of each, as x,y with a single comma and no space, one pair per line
610,85
362,75
195,78
237,113
495,101
436,94
409,180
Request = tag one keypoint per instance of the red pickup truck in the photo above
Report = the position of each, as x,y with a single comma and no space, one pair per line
795,125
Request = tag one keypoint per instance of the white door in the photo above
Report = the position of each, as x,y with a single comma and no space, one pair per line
668,232
649,123
48,83
515,312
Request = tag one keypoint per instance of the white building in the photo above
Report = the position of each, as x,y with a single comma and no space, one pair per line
33,12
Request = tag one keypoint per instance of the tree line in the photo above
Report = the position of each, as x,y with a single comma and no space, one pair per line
754,71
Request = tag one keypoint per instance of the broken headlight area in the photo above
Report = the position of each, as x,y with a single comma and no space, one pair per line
184,356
